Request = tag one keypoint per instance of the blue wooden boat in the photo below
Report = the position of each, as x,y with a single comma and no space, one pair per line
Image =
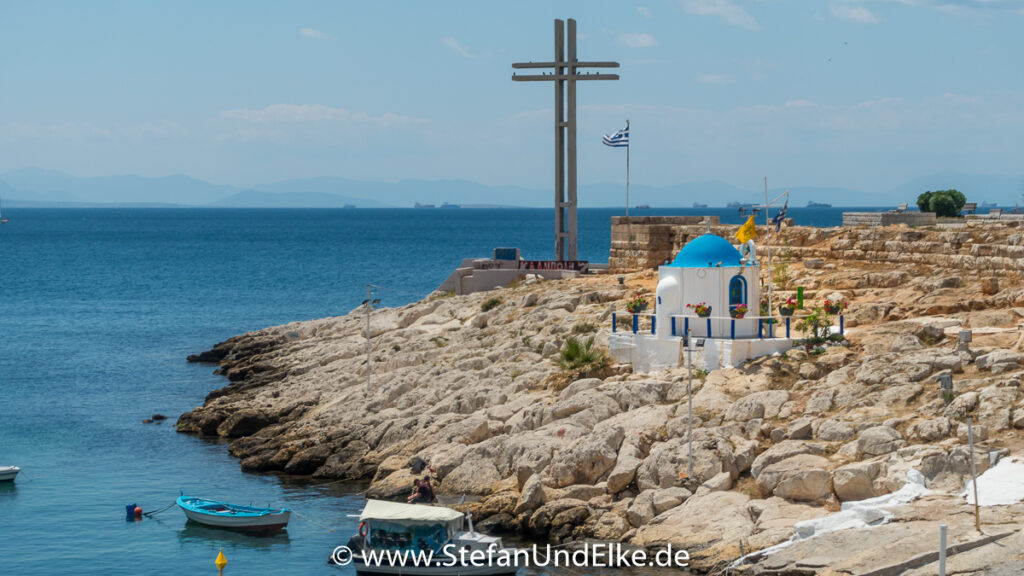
224,515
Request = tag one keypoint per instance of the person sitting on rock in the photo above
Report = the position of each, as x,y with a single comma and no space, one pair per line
414,497
429,488
424,492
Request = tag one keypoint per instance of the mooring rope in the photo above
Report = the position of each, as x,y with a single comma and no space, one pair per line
314,522
154,513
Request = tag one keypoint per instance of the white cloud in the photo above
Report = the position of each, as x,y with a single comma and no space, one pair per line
725,9
313,33
457,47
303,113
644,11
637,40
720,79
853,13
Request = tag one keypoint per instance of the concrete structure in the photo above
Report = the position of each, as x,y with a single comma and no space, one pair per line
888,218
481,274
565,73
712,271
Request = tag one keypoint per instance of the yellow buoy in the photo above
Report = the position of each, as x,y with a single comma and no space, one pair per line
221,561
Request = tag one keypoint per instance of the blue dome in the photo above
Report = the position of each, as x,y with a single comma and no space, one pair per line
707,251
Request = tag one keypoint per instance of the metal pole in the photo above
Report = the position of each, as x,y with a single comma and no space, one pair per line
974,476
689,400
559,141
571,240
627,172
942,550
768,248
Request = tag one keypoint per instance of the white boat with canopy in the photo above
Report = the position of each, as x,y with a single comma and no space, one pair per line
421,540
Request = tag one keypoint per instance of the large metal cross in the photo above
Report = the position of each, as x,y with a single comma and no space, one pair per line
565,71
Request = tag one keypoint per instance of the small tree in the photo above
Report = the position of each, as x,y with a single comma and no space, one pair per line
945,203
924,202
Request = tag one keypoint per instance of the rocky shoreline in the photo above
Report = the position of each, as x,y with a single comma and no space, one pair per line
472,387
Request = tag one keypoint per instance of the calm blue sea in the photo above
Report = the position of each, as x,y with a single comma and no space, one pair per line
98,309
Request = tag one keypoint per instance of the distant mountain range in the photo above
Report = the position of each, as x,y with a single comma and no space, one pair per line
37,187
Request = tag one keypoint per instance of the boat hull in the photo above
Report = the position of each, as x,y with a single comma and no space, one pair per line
8,473
248,521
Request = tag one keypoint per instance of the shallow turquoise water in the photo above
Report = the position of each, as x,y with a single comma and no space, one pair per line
98,309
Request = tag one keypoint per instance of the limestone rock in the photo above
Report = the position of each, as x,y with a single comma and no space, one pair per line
962,405
832,430
810,371
782,451
626,465
999,361
565,510
803,477
476,476
667,465
930,430
708,527
587,460
855,481
989,286
244,422
532,495
800,429
879,440
764,404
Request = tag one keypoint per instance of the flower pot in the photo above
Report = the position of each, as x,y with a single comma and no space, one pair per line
705,314
833,309
737,315
635,309
786,310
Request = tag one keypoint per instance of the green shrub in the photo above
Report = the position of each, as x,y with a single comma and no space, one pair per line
490,304
582,357
945,203
584,328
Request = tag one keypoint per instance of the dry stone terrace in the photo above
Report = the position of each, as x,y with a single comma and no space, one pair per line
479,396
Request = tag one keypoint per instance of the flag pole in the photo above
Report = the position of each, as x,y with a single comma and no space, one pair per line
768,248
627,171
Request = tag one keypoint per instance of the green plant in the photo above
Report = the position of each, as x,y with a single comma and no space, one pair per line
584,328
946,203
948,396
582,357
815,326
490,304
637,304
700,308
396,347
780,274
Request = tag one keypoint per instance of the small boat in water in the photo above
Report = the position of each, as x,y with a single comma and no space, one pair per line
224,515
7,473
390,532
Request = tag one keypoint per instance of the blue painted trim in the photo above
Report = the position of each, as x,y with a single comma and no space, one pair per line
615,324
636,323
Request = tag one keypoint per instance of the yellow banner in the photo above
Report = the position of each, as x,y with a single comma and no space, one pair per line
747,232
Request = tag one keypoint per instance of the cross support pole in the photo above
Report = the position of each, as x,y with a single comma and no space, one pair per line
565,73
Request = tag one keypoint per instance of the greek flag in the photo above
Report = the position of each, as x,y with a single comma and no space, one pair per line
619,139
780,216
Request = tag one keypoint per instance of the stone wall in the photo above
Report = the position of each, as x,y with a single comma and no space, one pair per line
971,246
888,218
640,242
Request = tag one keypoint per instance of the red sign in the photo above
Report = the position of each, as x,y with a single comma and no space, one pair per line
577,265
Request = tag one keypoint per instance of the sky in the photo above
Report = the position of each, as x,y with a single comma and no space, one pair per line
863,94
